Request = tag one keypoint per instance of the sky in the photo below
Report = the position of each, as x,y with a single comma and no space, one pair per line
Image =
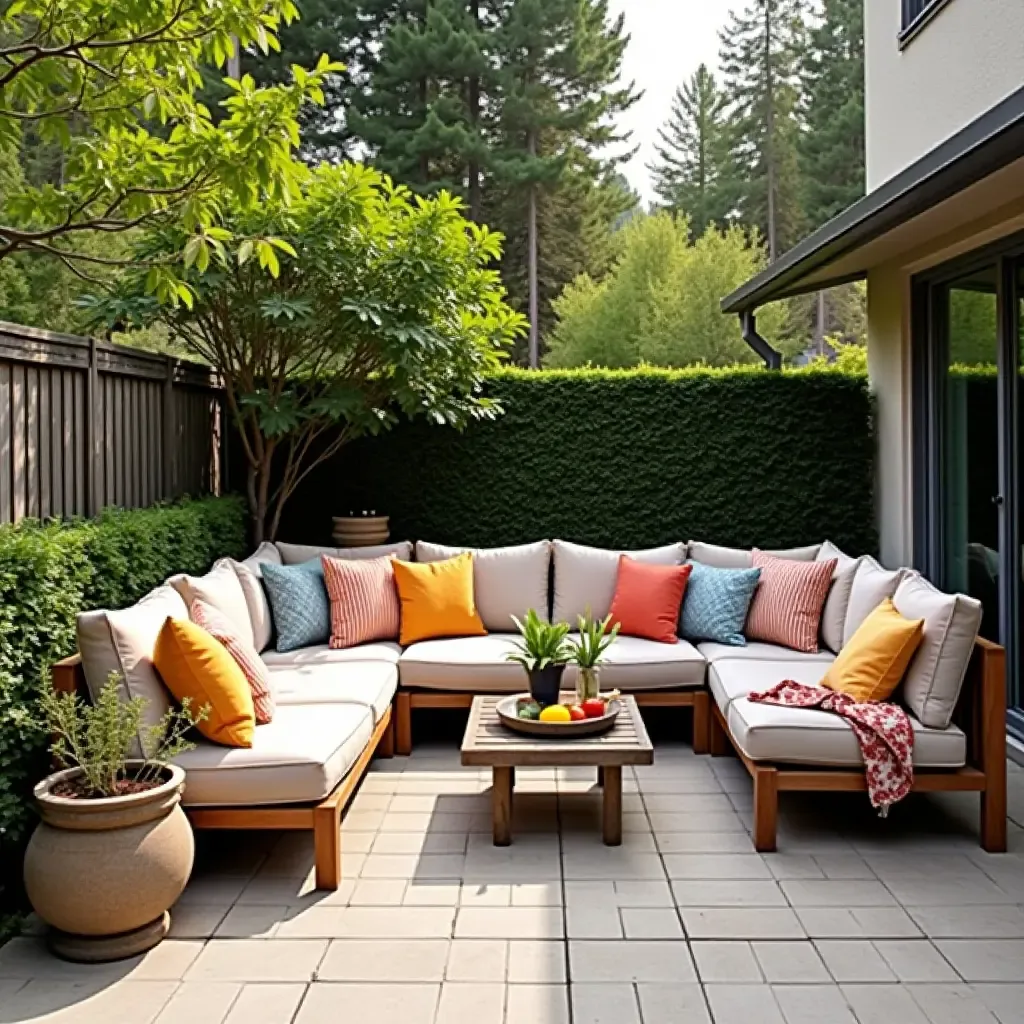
669,39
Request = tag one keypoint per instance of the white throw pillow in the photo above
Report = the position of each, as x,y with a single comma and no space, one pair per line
932,684
872,584
221,589
123,642
719,557
585,577
833,615
296,554
506,581
250,576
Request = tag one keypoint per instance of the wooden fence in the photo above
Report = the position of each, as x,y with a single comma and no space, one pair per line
86,424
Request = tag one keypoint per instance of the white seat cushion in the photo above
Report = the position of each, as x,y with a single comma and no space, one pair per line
766,732
222,590
634,664
471,664
298,757
833,614
249,576
321,654
506,581
719,557
369,683
732,678
296,554
872,584
756,650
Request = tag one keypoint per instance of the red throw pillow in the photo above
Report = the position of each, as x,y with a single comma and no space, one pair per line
364,602
788,601
648,598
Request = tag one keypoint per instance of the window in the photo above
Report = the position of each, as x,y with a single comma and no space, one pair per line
917,14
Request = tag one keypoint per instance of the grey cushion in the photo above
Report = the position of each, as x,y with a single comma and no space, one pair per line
738,677
740,558
634,664
758,650
833,614
471,664
766,732
872,584
371,684
585,577
932,684
249,576
298,757
321,654
222,590
506,581
296,554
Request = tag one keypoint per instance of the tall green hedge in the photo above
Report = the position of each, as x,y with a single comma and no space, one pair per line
623,458
51,571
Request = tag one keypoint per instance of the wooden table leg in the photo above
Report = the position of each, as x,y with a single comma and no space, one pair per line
501,804
612,805
600,775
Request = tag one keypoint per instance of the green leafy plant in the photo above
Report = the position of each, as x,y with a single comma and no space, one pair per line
542,644
595,639
99,738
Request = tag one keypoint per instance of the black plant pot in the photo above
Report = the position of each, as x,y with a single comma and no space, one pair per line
546,684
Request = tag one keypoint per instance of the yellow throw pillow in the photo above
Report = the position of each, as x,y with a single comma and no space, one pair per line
872,663
437,599
193,664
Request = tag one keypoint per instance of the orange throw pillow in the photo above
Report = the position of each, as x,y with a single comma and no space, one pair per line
648,598
874,660
437,599
195,665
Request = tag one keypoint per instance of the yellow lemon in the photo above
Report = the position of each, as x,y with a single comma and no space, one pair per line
555,713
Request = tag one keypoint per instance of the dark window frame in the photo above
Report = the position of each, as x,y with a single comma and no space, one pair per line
916,15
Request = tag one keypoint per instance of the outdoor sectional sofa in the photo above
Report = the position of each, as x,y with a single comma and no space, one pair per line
337,708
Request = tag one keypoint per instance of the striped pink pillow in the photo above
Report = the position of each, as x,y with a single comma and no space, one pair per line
217,625
788,601
364,600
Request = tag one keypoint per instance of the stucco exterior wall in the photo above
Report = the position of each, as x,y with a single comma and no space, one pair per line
961,64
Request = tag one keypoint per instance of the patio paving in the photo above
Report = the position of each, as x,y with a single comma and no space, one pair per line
905,921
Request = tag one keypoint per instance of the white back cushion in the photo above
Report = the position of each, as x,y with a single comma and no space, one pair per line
932,684
872,584
585,577
220,588
296,554
833,615
249,576
506,581
719,557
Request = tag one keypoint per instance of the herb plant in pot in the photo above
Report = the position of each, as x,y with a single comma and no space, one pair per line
587,653
543,652
114,849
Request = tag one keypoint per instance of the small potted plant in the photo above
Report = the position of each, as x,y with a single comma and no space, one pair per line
114,849
588,652
543,652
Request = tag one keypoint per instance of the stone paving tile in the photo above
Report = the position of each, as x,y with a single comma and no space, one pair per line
883,1004
266,1004
854,960
536,962
1004,922
471,1003
741,923
915,960
716,866
726,962
370,923
858,923
836,893
604,1004
251,922
64,1002
703,842
509,923
813,1004
743,1004
952,1004
256,960
382,1004
599,920
190,921
199,1002
537,1004
630,961
1006,1002
790,962
985,960
728,894
651,923
411,960
477,960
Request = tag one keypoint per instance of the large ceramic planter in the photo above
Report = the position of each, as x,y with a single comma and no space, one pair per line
103,873
360,531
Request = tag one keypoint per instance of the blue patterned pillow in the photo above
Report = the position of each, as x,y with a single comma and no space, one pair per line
716,603
299,602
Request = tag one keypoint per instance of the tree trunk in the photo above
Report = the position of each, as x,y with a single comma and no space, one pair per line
257,514
769,148
819,323
473,105
532,261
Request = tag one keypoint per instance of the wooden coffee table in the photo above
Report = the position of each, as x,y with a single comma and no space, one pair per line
489,743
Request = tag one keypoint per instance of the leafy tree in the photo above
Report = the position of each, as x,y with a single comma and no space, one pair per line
762,53
387,307
114,86
661,302
692,152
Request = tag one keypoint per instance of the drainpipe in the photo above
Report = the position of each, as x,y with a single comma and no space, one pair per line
748,328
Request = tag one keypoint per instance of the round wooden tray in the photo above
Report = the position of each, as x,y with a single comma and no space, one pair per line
507,708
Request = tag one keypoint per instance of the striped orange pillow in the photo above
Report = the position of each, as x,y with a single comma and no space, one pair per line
205,616
364,601
788,601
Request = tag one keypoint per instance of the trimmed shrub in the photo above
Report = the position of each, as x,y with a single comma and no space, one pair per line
628,458
51,571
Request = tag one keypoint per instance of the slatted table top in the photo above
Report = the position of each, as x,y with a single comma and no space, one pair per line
488,742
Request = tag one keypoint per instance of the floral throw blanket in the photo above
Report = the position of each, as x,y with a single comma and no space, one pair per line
883,731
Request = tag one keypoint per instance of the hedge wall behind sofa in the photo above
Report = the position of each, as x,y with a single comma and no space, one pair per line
622,458
51,571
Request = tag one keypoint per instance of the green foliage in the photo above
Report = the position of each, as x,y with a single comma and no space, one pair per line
49,572
377,302
595,637
736,456
541,643
661,302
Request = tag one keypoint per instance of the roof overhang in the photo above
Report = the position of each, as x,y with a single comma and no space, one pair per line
988,153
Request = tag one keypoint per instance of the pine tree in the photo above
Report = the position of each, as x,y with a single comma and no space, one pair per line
691,153
762,53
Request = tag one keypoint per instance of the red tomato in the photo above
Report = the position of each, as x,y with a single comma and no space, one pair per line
576,713
593,708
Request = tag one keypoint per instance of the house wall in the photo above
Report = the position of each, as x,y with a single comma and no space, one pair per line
961,64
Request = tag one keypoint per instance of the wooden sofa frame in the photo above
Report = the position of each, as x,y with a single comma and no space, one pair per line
980,713
322,818
408,700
